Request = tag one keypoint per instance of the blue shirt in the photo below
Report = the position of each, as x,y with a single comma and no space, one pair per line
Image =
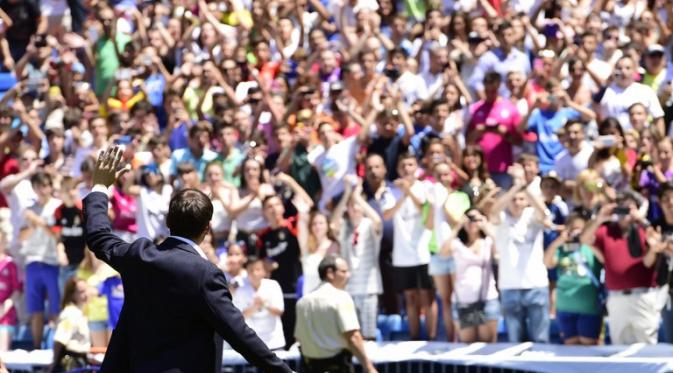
178,138
417,139
185,155
545,124
113,289
154,88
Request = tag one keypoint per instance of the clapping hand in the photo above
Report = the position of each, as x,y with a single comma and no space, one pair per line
106,170
517,173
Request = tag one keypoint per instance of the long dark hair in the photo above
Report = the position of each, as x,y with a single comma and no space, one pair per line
244,184
69,291
482,171
462,233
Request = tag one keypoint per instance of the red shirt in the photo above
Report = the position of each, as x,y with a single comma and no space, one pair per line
622,271
9,165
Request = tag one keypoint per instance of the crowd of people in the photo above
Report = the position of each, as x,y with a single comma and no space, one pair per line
470,160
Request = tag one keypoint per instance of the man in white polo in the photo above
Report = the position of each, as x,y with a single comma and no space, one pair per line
327,325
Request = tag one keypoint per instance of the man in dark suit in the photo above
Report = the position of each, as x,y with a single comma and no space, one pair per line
175,299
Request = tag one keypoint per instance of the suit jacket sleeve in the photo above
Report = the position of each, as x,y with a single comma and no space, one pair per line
230,324
98,232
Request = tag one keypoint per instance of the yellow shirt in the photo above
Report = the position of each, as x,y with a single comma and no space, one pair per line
96,308
235,18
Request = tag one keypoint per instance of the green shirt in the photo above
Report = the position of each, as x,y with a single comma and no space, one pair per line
575,292
107,62
302,171
230,164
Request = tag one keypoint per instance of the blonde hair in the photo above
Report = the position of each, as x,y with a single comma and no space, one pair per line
586,177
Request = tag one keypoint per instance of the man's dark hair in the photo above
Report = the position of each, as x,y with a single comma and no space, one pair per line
201,126
504,26
41,178
252,259
88,165
268,198
142,106
189,213
406,155
329,262
492,77
156,141
665,188
185,167
399,50
72,117
54,132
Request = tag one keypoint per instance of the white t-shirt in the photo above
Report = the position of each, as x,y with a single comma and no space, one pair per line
360,247
519,241
332,165
474,274
72,330
53,7
221,221
568,166
617,100
410,237
268,327
19,199
412,86
309,266
151,212
437,195
40,246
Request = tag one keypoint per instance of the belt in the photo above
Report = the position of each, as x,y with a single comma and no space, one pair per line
632,291
338,360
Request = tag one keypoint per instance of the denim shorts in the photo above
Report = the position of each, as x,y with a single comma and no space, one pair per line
98,326
441,265
492,310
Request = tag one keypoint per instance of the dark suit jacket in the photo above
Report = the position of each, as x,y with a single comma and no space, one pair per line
175,302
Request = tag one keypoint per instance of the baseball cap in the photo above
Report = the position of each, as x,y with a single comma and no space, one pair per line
655,48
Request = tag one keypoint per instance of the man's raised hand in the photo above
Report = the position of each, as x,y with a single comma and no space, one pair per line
106,170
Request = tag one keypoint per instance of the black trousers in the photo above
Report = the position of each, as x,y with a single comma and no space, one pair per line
341,363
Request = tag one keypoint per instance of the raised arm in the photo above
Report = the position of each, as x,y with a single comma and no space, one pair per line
9,182
336,220
588,235
301,198
550,252
98,229
369,211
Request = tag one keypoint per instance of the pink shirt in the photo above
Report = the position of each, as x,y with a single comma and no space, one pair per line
9,283
124,207
474,275
497,150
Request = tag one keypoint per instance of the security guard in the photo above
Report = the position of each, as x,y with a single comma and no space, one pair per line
327,326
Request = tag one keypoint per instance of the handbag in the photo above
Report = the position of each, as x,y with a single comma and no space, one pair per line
474,314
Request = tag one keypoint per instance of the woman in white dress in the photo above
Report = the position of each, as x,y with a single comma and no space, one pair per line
221,194
246,206
314,245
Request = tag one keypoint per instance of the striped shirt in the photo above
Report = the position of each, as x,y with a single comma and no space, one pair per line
360,247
